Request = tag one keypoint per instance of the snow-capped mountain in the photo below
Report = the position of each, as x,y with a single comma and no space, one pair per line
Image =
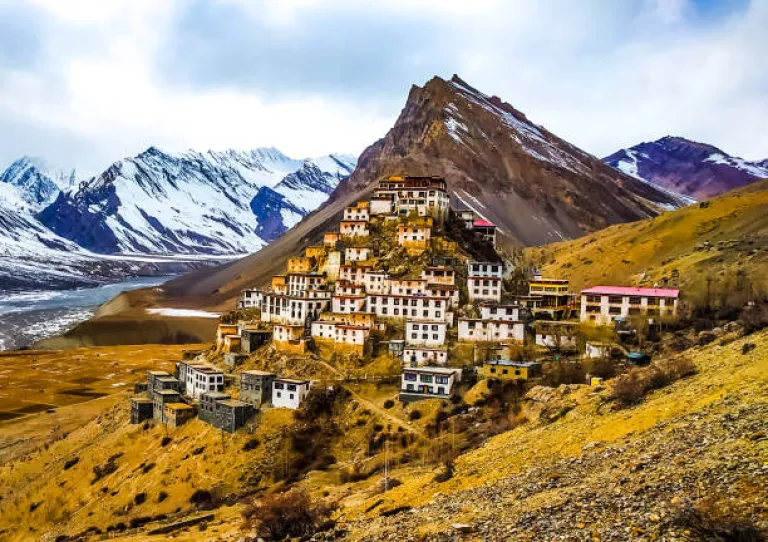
298,194
37,184
155,213
687,167
190,203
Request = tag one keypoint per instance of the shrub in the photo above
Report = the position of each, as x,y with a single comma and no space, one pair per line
140,498
250,445
166,441
754,318
202,499
414,415
389,403
705,526
290,514
100,471
145,468
628,388
162,496
445,474
676,368
71,463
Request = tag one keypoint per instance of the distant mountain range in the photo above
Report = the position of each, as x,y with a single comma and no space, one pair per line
687,167
154,207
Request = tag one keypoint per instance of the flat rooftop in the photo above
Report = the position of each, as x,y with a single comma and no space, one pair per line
434,370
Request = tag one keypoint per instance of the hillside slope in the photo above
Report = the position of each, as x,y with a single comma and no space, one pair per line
599,473
687,167
591,470
722,235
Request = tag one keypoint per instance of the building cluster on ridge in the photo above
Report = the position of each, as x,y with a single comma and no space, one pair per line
345,297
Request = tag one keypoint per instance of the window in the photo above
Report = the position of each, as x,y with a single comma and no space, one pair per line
279,394
290,396
634,300
410,376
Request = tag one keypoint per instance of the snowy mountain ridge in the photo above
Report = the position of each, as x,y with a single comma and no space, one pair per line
161,205
697,170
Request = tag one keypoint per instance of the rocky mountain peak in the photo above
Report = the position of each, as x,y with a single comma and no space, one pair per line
695,169
535,186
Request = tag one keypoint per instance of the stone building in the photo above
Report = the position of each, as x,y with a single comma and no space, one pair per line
223,412
141,409
256,387
177,414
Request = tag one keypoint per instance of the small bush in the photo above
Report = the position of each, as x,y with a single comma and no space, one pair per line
628,388
100,471
145,468
389,403
162,496
445,474
414,415
251,445
166,441
71,463
140,498
283,515
704,526
198,451
203,499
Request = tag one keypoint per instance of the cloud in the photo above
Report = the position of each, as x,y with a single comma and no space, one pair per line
86,82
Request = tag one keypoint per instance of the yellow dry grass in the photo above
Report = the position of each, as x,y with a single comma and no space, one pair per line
722,371
77,383
735,227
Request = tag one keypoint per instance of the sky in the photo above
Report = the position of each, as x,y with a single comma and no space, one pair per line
84,83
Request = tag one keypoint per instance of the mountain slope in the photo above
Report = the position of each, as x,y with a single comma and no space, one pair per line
193,203
695,169
714,239
535,186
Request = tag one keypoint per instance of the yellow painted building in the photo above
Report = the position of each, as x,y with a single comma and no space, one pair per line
299,264
331,238
223,331
362,319
316,252
504,369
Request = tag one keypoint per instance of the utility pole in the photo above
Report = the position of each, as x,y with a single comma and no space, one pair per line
386,465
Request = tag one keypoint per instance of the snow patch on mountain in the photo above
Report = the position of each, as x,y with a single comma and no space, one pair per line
533,139
679,165
756,169
36,183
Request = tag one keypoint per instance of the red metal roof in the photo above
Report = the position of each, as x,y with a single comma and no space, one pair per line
630,290
483,224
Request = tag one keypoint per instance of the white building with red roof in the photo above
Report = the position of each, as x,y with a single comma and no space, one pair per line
604,304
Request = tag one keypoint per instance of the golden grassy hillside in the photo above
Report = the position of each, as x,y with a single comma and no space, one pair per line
597,470
713,239
75,384
700,440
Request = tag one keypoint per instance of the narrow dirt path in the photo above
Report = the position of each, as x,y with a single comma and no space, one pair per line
370,405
